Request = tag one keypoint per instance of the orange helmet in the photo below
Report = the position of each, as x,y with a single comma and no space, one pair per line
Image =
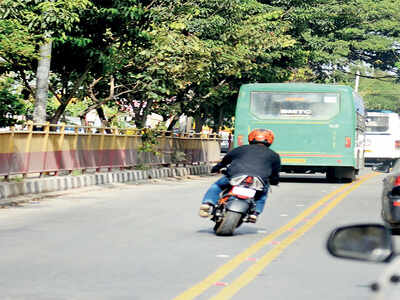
264,136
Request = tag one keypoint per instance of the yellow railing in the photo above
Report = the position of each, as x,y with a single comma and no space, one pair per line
43,148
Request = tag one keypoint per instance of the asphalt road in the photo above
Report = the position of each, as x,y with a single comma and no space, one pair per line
146,242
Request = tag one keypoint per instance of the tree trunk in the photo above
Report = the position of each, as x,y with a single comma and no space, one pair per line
218,121
173,122
42,83
103,118
57,115
199,122
140,121
66,99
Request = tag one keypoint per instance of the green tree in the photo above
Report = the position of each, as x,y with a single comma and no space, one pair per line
248,42
11,104
337,34
378,94
174,57
201,51
97,51
44,20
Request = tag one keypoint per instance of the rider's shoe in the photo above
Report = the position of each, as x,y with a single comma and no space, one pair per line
204,211
253,218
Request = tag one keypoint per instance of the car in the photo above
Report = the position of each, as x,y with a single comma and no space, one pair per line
373,243
390,197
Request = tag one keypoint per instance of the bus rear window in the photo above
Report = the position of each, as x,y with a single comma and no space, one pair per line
377,123
310,106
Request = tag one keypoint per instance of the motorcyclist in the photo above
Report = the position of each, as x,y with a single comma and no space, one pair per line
255,159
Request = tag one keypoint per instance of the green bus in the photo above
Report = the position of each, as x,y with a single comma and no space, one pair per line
318,128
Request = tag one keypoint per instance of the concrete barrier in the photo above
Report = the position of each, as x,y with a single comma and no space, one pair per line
8,190
26,151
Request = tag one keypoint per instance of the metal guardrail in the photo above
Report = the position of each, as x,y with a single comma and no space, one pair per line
46,148
78,129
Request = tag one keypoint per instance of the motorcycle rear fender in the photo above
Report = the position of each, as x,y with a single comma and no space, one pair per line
237,205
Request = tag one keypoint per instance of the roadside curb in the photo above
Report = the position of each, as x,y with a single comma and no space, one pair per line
8,190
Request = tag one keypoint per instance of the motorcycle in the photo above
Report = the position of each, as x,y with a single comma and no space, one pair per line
236,204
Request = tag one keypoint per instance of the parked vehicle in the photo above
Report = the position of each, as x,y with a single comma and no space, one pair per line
390,197
373,243
382,138
321,127
236,204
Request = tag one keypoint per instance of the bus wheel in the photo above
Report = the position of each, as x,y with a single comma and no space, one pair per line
351,175
330,174
335,174
346,173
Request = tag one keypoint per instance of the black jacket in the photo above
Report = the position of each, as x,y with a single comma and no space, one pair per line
254,160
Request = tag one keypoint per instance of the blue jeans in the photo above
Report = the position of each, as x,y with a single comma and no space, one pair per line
213,193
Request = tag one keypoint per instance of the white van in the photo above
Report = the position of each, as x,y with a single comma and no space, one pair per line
382,138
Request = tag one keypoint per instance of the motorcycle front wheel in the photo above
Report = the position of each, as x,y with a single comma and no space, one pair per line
229,223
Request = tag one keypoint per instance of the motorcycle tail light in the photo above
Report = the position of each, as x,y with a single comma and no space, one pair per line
257,184
249,180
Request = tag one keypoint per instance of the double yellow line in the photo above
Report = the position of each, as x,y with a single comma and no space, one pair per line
246,277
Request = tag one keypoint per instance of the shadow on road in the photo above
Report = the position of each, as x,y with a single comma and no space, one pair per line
309,179
242,230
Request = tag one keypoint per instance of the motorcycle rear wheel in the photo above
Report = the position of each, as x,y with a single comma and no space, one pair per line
229,223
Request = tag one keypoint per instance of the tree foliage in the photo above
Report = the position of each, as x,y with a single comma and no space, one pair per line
24,24
11,104
40,21
337,34
380,94
186,56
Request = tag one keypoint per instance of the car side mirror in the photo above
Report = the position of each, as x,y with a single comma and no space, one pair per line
367,242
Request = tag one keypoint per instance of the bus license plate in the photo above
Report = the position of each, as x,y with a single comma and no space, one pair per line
241,191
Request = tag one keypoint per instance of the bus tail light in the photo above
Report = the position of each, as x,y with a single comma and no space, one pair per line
347,142
397,145
240,140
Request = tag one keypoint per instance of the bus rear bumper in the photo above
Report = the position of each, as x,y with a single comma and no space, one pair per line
303,169
332,173
312,169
